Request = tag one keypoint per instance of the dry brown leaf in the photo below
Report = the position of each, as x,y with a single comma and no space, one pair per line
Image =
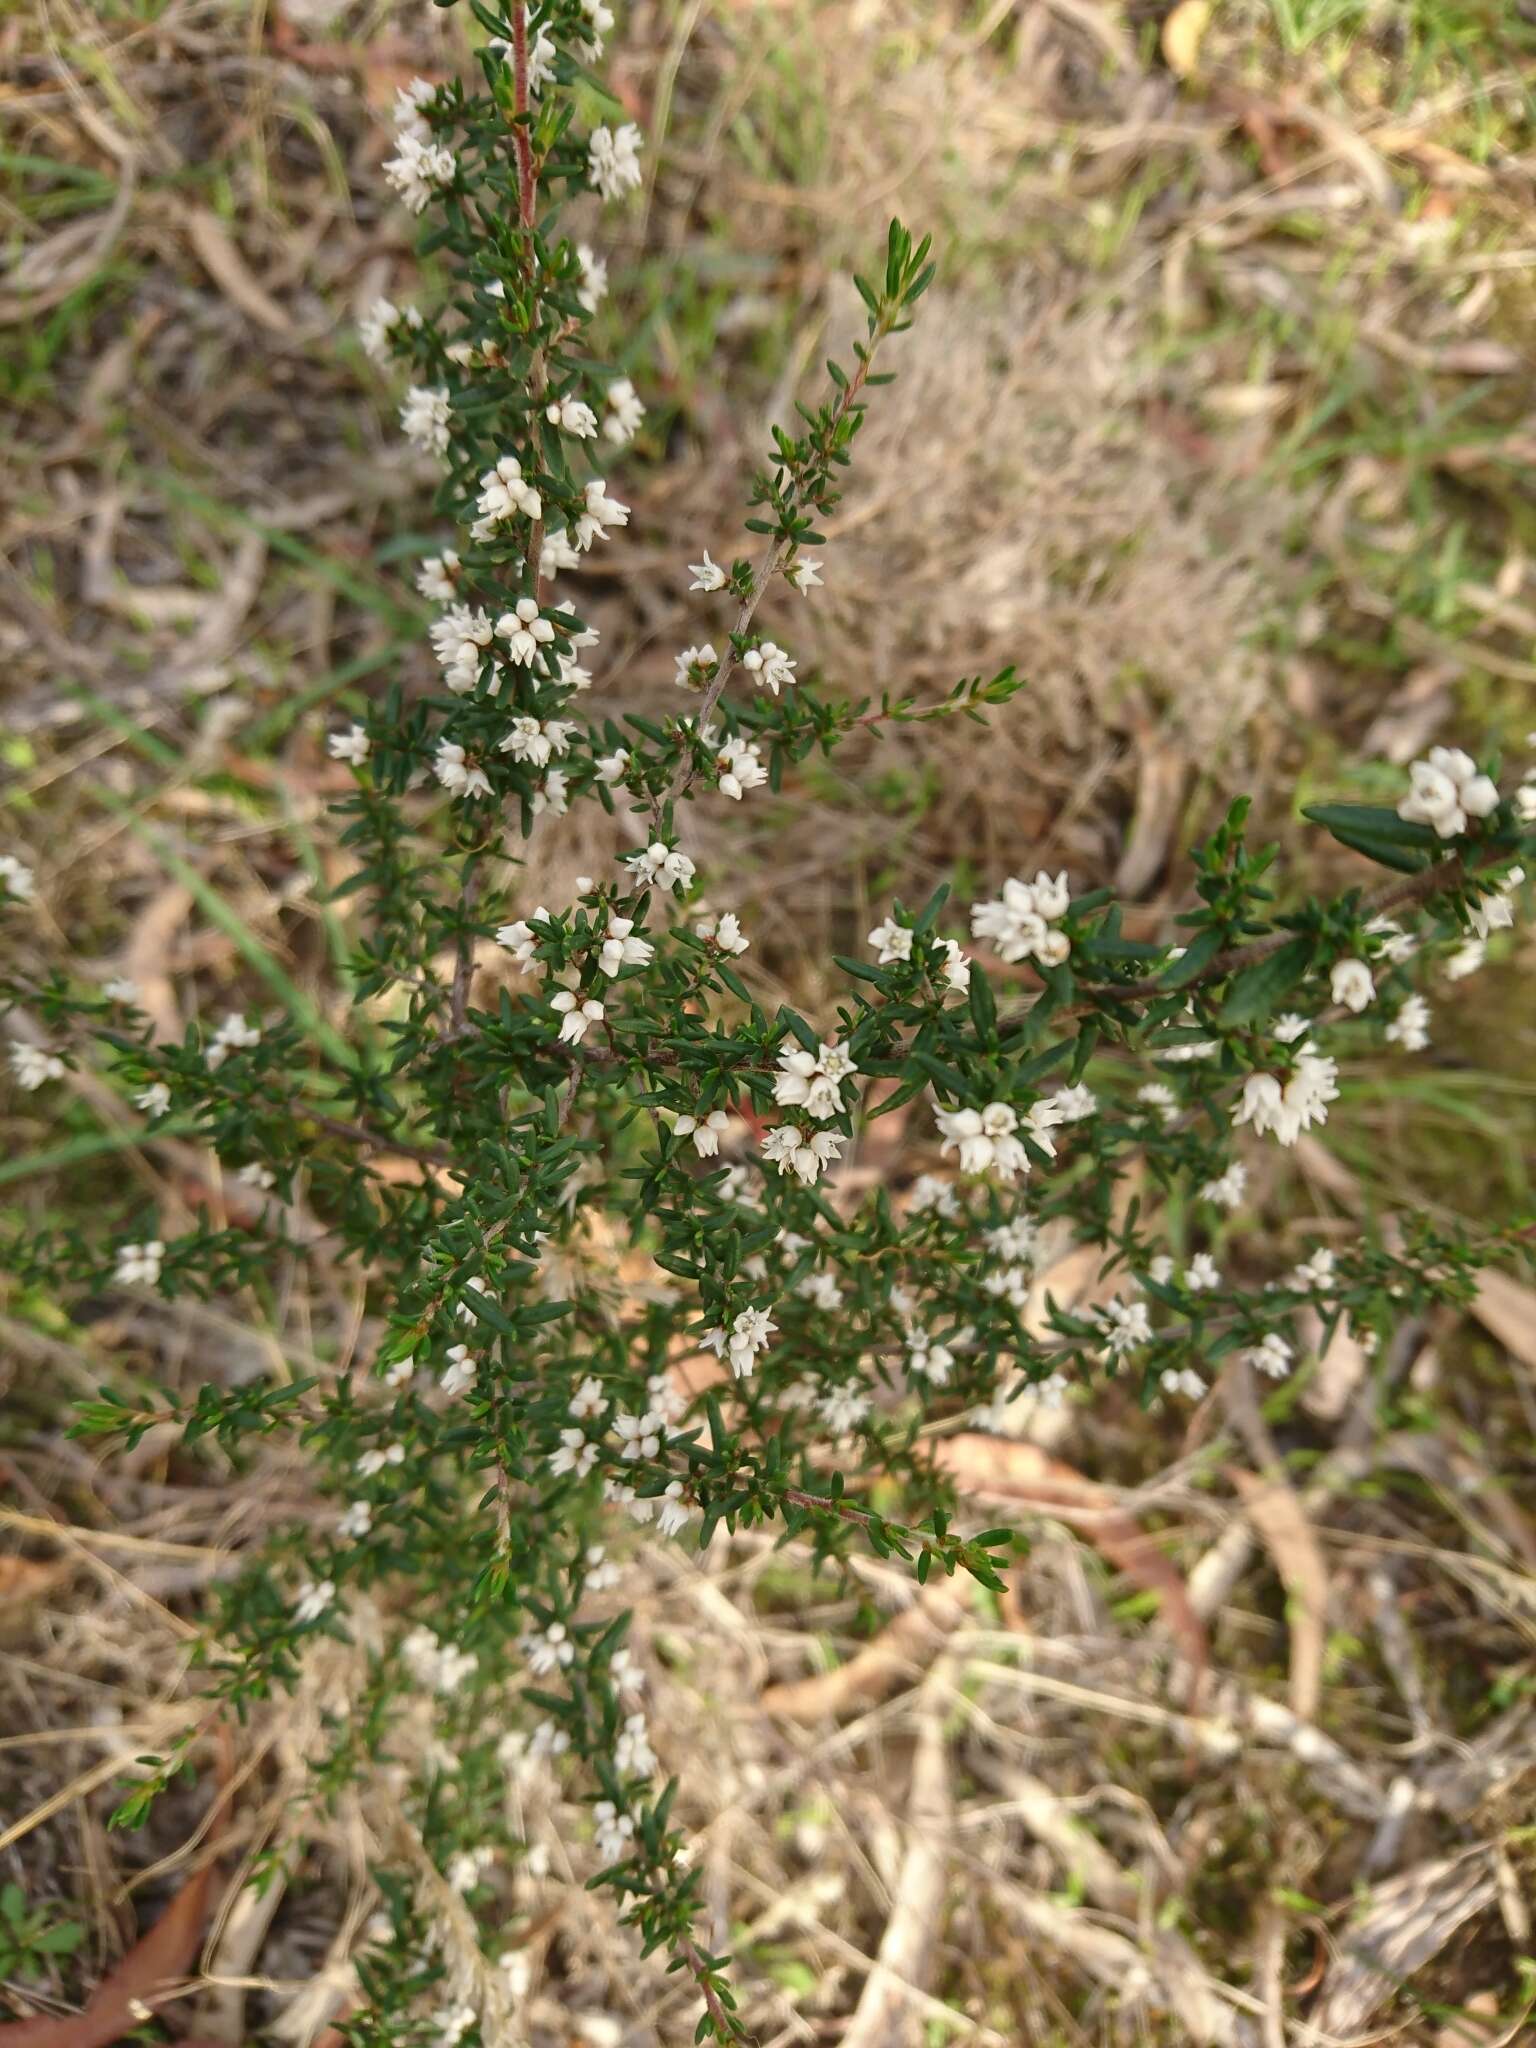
1276,1512
1012,1471
872,1674
223,262
1183,32
1507,1310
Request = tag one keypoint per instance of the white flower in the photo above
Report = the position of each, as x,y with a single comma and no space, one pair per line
663,864
767,663
451,2023
747,1335
1228,1190
456,773
257,1176
1446,790
1494,910
1202,1274
593,288
1073,1104
673,1513
1160,1272
525,631
622,420
588,1398
611,767
576,1453
632,1754
1410,1027
374,329
1351,984
351,746
357,1521
32,1065
313,1599
803,573
1158,1096
466,1867
520,939
930,1193
409,101
622,949
601,513
931,1361
613,160
694,666
371,1463
18,878
986,1139
154,1100
812,1081
579,1016
1273,1356
461,1370
1013,1241
139,1264
1020,920
724,932
1315,1272
1290,1107
705,1131
548,1649
436,579
615,1831
505,492
1289,1027
599,21
956,968
425,417
572,416
821,1290
740,763
1186,1381
551,796
707,575
892,941
1525,801
233,1035
419,169
1126,1324
800,1152
842,1409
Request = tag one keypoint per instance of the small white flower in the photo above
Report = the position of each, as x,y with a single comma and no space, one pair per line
576,1453
525,631
768,665
803,573
18,878
139,1264
456,773
615,1831
694,666
611,767
891,941
625,413
572,416
506,493
1228,1190
1126,1325
802,1153
1158,1096
549,1649
1316,1272
314,1599
621,948
460,1372
661,864
1410,1027
740,768
1467,959
1446,791
32,1065
257,1176
673,1513
1202,1274
233,1035
1351,984
371,1463
425,417
375,327
351,746
613,160
419,169
707,575
154,1100
1273,1356
601,513
437,578
633,1755
357,1521
705,1131
588,1399
579,1016
594,278
724,932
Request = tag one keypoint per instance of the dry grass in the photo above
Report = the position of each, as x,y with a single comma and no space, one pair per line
1214,427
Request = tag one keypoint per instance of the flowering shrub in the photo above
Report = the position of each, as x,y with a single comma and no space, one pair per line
634,1106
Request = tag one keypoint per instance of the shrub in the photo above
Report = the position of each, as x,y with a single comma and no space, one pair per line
620,1158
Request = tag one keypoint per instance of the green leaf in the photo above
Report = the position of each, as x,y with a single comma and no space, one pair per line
1258,989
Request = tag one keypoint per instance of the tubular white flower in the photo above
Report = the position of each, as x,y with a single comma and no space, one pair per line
1350,984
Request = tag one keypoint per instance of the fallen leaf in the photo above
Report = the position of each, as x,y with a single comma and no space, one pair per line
154,1965
1183,32
901,1650
1160,770
227,267
1012,1471
1277,1514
